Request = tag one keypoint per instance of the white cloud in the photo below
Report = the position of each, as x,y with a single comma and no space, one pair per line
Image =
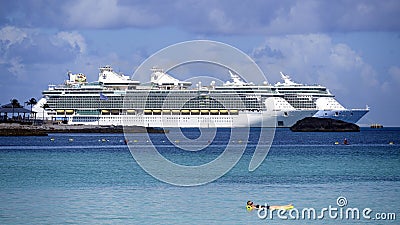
22,47
315,58
73,39
343,56
10,35
14,66
17,68
294,53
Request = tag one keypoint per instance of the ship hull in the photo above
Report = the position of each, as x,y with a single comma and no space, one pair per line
243,119
347,115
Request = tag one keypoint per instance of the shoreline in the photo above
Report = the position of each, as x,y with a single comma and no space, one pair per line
14,129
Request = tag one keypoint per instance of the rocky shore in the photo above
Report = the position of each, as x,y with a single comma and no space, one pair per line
314,124
13,129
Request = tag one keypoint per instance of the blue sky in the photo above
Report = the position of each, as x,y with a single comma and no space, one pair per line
352,47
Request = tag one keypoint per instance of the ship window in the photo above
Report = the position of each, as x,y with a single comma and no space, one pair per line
280,123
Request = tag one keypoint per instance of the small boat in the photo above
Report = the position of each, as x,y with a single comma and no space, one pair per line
376,125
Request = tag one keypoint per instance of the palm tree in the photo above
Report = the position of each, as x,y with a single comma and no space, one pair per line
14,104
31,102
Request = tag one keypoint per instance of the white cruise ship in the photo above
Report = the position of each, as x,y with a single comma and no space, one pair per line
306,97
116,100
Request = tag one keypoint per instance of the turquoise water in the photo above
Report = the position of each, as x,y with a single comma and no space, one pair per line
88,181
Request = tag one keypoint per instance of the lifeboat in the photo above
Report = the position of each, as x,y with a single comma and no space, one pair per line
214,111
130,111
204,112
185,112
223,112
194,112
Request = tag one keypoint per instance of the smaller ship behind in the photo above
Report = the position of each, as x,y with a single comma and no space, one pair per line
317,97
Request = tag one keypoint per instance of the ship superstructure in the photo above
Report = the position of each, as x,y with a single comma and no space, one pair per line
306,97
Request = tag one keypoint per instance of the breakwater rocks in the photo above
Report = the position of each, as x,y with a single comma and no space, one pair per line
27,130
314,124
21,131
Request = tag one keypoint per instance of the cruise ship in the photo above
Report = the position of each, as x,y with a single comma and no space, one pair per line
308,97
115,99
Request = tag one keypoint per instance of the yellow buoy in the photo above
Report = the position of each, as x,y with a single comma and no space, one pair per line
51,139
336,143
71,139
135,141
391,143
249,208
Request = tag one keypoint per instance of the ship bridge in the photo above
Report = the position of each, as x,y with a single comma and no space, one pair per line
109,78
165,81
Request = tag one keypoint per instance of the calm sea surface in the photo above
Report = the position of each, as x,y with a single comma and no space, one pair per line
87,180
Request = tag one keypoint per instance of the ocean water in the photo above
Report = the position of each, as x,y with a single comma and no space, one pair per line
93,179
